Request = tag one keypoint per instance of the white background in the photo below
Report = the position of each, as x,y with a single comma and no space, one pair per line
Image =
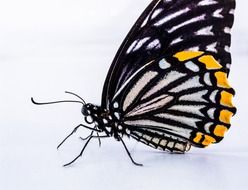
49,46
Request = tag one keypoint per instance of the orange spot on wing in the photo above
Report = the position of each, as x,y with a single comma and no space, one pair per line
226,99
220,130
210,62
208,140
222,80
225,116
186,55
198,137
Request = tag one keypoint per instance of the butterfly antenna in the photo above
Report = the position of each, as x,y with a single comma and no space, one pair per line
56,102
67,92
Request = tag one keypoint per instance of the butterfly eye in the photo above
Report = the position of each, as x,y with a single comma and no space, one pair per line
85,111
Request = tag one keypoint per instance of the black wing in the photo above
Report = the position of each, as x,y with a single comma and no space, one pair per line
167,27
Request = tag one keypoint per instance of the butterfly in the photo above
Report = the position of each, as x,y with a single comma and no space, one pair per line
168,84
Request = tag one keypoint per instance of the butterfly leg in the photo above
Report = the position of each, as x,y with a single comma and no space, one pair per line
75,130
82,151
129,155
99,140
86,138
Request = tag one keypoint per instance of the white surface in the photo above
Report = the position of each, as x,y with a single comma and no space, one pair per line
49,46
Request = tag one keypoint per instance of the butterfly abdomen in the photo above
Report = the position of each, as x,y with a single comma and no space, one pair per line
161,141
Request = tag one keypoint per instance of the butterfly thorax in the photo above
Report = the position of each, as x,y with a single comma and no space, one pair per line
104,120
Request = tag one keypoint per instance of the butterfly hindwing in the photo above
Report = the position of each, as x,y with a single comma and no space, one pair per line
185,98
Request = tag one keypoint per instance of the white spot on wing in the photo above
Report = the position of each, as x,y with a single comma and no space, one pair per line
211,113
194,109
147,18
207,2
205,31
182,119
177,40
142,82
207,79
213,96
196,48
191,83
227,49
231,11
227,30
195,19
132,46
192,66
207,127
163,64
156,13
141,43
228,66
155,44
195,96
218,14
171,16
212,47
145,21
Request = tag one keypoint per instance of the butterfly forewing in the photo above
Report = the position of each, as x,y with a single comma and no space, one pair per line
170,26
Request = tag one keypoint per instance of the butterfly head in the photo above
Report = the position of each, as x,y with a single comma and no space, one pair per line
91,112
86,110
